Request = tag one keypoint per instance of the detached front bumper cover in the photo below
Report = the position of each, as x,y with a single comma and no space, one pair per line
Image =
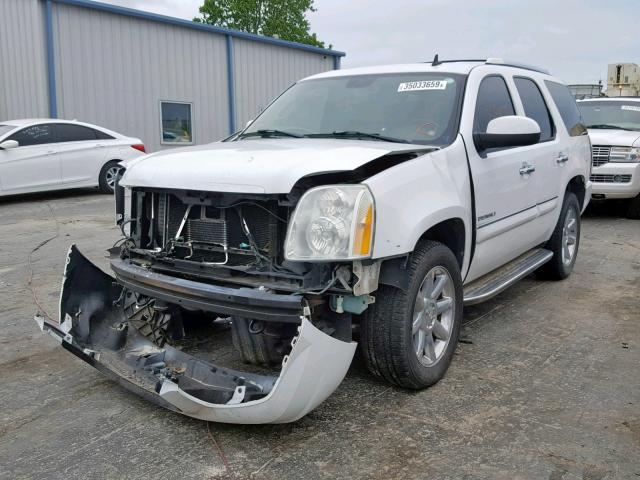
94,328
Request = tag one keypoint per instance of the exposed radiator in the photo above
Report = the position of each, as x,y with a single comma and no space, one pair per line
210,233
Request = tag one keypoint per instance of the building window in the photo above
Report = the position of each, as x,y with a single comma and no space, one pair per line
176,122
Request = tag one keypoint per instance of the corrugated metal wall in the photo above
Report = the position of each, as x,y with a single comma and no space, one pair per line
263,71
114,70
23,72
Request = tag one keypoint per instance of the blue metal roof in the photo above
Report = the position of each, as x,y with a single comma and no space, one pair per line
154,17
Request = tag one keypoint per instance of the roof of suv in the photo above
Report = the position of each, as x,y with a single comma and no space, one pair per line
611,99
448,66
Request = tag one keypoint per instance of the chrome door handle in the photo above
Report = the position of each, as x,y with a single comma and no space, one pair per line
526,169
562,158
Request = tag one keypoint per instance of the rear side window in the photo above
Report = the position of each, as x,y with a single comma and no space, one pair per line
102,136
567,107
34,135
535,106
493,101
78,133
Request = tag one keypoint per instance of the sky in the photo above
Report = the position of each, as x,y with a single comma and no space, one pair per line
574,39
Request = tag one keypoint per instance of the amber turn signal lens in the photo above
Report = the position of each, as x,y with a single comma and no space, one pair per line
364,229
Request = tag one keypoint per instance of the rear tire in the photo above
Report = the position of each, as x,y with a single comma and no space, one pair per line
409,337
633,210
564,241
108,174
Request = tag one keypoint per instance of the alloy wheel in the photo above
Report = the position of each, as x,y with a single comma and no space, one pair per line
111,175
569,236
433,315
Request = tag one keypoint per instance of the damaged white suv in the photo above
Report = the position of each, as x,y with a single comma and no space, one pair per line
362,206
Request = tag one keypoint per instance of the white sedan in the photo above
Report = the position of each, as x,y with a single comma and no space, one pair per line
48,154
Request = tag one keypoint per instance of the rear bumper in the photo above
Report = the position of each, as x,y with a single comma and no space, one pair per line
95,329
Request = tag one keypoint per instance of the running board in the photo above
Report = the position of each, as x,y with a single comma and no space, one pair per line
502,278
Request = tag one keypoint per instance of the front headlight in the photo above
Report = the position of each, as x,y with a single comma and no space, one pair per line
624,154
332,222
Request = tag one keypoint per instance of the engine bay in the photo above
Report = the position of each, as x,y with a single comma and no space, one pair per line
219,238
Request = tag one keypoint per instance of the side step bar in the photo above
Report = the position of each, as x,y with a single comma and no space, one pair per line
502,278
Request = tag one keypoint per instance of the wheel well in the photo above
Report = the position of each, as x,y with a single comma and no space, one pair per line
107,163
451,234
576,186
393,271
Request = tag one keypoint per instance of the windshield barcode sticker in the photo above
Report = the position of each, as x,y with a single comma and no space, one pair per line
422,85
630,107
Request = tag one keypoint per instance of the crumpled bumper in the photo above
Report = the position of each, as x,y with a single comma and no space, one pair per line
94,328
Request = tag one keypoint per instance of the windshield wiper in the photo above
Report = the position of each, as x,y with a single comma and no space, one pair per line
356,134
269,133
609,127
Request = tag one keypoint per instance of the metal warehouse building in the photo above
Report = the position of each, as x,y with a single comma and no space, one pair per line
165,80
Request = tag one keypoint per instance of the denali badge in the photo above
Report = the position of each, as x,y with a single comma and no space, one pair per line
488,215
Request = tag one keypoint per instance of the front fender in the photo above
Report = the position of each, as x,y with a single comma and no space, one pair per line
416,195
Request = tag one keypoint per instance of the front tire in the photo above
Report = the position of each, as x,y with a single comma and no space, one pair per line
108,174
409,337
260,343
564,241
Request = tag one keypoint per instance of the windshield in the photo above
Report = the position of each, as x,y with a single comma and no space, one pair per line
417,108
6,128
620,114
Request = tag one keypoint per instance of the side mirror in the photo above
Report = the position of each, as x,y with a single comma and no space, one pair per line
508,131
9,144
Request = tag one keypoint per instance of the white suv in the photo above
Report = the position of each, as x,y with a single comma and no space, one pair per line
364,205
614,129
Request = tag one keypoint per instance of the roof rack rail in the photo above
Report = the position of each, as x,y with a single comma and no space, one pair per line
636,97
437,61
491,61
508,63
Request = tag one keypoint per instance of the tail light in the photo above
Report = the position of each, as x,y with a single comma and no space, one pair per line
139,147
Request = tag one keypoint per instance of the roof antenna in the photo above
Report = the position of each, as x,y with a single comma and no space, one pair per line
435,61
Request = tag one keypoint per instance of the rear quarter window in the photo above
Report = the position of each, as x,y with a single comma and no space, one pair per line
67,132
567,107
